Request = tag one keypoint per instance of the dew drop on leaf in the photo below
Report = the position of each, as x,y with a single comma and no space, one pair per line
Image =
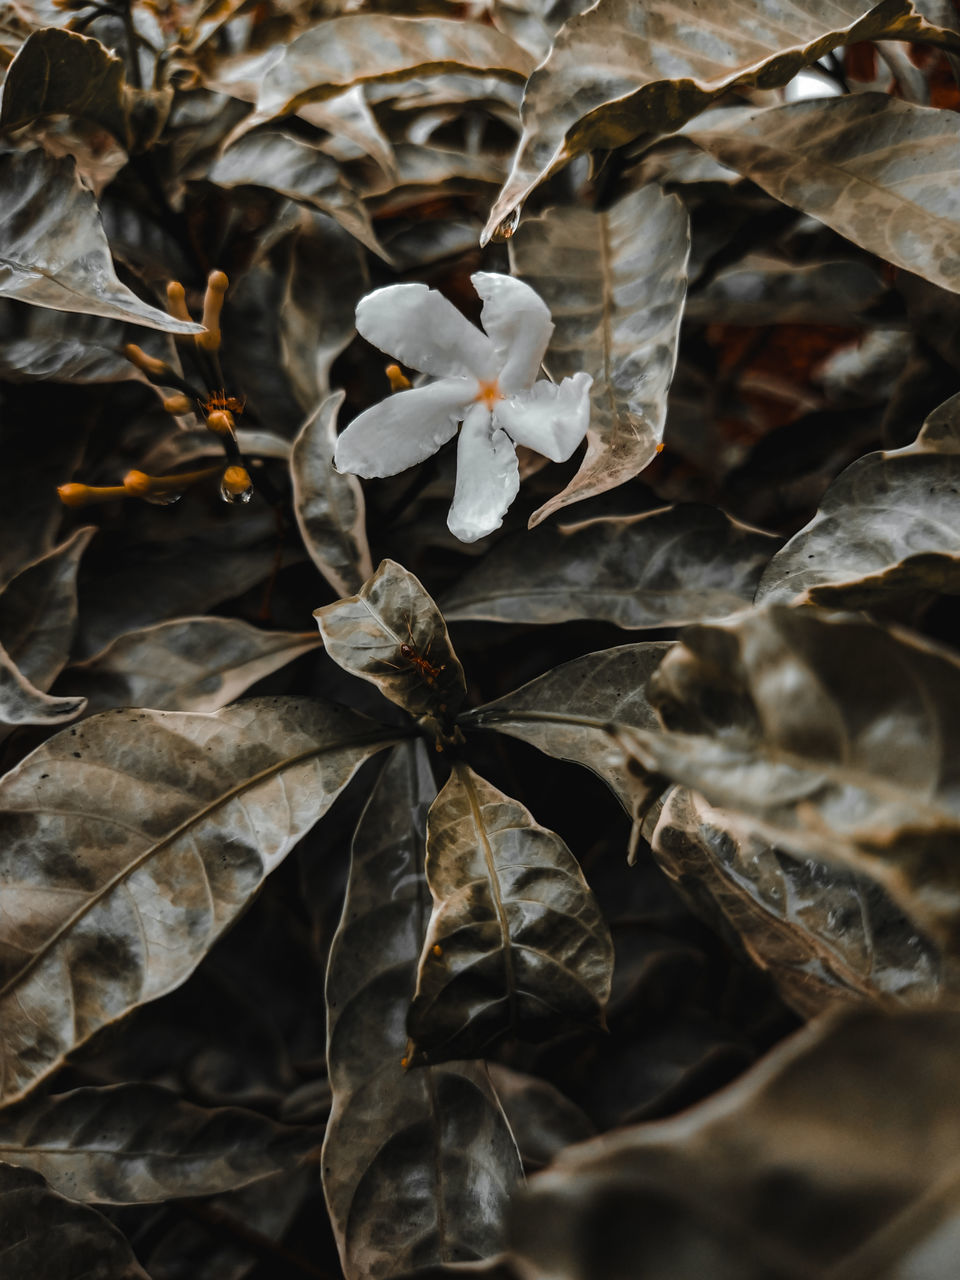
505,229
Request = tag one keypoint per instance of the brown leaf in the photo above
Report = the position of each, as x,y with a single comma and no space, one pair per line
367,634
879,171
329,505
621,71
417,1164
615,284
132,841
516,942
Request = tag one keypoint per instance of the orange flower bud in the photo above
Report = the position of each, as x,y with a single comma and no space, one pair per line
221,422
177,301
149,364
397,378
177,404
217,283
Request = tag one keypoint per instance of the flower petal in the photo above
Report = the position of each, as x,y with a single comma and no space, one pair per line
518,321
488,477
404,429
550,419
423,330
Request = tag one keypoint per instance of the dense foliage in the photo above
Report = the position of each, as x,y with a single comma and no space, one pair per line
582,956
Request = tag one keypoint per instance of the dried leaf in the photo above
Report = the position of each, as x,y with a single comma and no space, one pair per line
417,1165
567,712
334,55
326,279
825,1160
615,284
38,611
620,71
137,1143
132,841
53,252
888,526
298,170
189,664
826,936
827,736
367,633
762,289
64,73
879,171
657,569
22,703
516,943
45,1235
329,505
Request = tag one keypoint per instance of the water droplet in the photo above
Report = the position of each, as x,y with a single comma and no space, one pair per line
504,230
229,494
165,499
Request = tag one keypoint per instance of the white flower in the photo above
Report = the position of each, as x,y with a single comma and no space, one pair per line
487,381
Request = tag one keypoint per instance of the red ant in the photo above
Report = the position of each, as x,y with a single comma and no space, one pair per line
427,671
220,400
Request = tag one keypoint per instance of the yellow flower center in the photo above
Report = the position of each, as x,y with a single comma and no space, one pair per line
488,393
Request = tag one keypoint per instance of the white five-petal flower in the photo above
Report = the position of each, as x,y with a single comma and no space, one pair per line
486,381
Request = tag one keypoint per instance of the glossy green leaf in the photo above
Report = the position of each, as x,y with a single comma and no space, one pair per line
46,1235
334,55
137,1143
615,285
826,936
879,171
516,942
189,664
132,841
657,569
367,634
329,505
53,251
567,712
417,1165
621,71
888,526
827,736
825,1160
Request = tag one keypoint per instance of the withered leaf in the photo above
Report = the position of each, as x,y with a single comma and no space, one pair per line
879,171
657,569
46,1235
137,1143
328,504
417,1165
53,251
827,936
615,285
132,841
38,611
888,526
621,70
188,664
566,713
367,634
298,170
828,736
824,1160
60,72
23,703
516,942
341,52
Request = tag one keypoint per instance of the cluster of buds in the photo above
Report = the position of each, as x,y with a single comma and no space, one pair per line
179,397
